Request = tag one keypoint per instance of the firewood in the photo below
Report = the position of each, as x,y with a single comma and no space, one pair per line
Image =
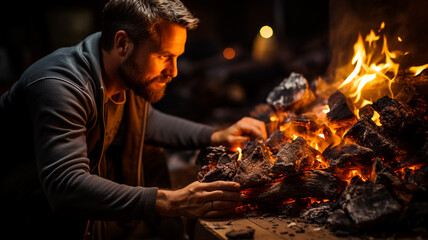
348,155
370,205
366,111
366,133
292,93
275,141
396,117
224,170
313,183
383,174
294,157
210,155
341,114
254,169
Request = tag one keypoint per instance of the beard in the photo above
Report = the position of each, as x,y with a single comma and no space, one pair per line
149,90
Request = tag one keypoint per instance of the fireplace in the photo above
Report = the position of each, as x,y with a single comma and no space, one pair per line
349,150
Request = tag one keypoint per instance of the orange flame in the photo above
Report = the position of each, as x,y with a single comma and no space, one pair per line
374,72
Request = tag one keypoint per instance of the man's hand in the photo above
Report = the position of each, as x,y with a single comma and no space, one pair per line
215,199
240,132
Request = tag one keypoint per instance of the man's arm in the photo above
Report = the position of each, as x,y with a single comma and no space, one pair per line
60,111
170,131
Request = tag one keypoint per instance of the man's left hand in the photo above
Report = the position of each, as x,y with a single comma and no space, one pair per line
236,135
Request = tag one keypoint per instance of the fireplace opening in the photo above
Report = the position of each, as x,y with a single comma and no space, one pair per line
348,150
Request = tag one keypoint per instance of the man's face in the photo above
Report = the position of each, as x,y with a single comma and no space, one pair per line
153,63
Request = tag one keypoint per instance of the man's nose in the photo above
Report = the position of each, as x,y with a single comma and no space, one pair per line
171,68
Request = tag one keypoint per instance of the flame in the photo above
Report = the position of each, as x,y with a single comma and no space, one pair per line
240,154
353,173
326,109
416,70
376,118
374,71
274,118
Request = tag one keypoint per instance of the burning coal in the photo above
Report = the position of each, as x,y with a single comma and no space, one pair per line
354,158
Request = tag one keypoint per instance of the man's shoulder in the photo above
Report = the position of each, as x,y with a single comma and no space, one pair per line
77,64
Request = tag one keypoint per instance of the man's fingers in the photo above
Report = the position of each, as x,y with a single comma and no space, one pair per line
254,127
220,185
223,195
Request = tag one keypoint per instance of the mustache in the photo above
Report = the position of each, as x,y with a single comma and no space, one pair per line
162,79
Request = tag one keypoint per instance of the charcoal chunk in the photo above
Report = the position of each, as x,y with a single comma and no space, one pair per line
254,169
341,107
370,205
348,155
224,170
292,92
396,117
275,141
314,183
366,133
294,157
241,234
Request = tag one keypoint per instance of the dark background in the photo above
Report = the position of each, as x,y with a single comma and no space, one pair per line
209,87
312,37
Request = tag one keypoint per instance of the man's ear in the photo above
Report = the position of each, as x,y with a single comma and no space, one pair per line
122,43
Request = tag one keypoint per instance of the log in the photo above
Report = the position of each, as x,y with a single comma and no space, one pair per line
366,133
341,107
313,183
370,205
341,114
224,170
254,169
275,141
294,157
396,117
292,93
210,155
349,155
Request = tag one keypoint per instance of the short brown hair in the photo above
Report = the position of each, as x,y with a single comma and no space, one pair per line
138,18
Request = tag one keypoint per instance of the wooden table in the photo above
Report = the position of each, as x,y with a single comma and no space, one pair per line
266,228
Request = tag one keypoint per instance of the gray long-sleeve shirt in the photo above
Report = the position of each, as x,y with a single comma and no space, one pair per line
52,134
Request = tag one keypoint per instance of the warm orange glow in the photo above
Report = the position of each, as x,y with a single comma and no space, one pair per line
399,39
382,26
326,109
229,53
240,154
401,171
353,173
274,119
322,163
418,69
374,71
376,118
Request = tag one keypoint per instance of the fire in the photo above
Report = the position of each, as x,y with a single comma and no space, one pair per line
374,71
376,118
416,70
353,173
240,154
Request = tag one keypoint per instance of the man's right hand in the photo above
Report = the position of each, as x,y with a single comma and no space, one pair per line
215,199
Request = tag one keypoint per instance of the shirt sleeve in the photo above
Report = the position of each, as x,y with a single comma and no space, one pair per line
60,111
171,131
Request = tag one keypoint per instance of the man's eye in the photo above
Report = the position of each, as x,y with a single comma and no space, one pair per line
164,57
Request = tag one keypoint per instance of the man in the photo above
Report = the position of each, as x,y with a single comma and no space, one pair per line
73,128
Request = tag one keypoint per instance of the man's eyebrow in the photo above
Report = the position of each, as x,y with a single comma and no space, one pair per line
166,52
